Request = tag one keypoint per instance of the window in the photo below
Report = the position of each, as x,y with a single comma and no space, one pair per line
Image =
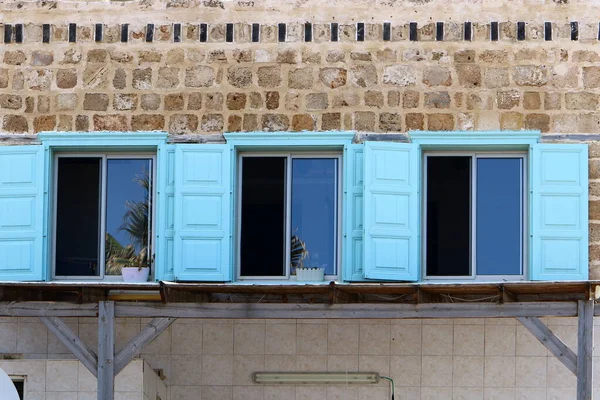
19,383
474,215
288,214
102,214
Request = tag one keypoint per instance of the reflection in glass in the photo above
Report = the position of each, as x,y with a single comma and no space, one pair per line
499,216
314,200
128,210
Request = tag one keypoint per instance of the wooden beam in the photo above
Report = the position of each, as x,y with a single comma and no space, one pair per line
47,309
585,348
556,346
72,342
323,311
135,345
106,350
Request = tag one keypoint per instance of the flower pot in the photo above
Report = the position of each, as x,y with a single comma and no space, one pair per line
135,274
310,274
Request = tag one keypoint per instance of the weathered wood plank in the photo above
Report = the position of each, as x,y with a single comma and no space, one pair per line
585,348
293,311
72,342
135,345
106,350
552,342
47,309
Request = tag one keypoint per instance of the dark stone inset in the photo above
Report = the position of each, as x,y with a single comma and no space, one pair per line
494,32
8,33
360,32
203,33
308,32
334,32
98,32
176,33
412,32
574,30
548,31
520,30
255,33
46,33
387,31
439,31
468,31
19,33
124,33
72,33
281,32
229,33
149,33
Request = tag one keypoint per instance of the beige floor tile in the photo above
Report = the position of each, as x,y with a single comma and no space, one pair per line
374,339
244,366
280,338
342,338
527,344
217,338
493,393
467,371
279,392
32,338
436,393
248,393
406,370
467,393
469,340
406,340
558,376
342,392
249,338
500,340
531,394
437,340
531,372
186,338
8,337
186,393
61,376
217,369
499,372
216,393
311,393
436,371
342,363
308,363
380,364
311,339
186,370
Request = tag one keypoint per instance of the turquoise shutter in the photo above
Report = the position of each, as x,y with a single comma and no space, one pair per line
559,212
353,210
202,212
391,211
21,213
165,213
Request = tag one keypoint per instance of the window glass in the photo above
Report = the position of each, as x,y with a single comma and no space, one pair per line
499,216
128,211
263,216
78,216
314,192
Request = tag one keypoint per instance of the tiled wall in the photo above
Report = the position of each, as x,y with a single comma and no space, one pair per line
428,359
70,380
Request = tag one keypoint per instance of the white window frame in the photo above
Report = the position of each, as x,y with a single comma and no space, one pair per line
288,187
473,234
104,156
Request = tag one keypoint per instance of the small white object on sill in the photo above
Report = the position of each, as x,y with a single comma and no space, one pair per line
310,274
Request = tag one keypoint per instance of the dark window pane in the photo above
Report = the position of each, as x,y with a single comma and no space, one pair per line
499,216
263,216
77,216
314,208
448,216
128,211
20,386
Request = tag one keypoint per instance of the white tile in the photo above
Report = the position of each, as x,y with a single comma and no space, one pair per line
275,362
216,393
36,374
279,392
129,396
436,371
373,393
244,366
311,393
499,372
491,393
32,338
527,344
561,393
185,392
86,381
567,333
308,363
531,372
406,340
217,370
249,338
408,393
342,338
280,338
342,392
531,394
186,338
500,340
436,393
468,340
217,338
374,339
42,396
130,379
248,393
160,345
311,338
380,364
467,393
558,375
406,370
186,370
342,363
437,340
61,376
61,395
467,371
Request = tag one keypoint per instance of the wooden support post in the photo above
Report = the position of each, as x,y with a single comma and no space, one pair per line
585,346
106,350
72,342
556,346
135,345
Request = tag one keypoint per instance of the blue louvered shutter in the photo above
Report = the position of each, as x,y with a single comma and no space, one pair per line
353,210
391,211
202,212
21,213
165,213
559,212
